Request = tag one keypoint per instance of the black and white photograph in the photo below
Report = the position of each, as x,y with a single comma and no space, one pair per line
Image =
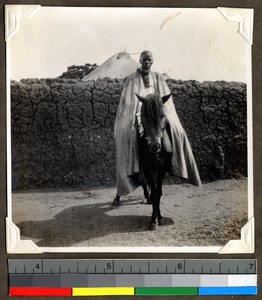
129,129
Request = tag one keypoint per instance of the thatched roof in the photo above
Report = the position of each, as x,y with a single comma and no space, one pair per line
118,66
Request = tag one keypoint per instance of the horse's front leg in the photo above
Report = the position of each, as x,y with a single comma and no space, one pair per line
146,193
160,179
155,199
159,217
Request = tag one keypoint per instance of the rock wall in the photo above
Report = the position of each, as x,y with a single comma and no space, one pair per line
62,130
214,115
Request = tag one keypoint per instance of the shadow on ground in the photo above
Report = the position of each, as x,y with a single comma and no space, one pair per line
82,223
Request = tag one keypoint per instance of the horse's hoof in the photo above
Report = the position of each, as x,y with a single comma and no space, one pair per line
116,202
152,226
161,222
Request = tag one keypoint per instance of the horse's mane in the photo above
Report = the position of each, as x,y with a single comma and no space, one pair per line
153,110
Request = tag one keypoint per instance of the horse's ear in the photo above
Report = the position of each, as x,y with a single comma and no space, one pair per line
165,98
142,99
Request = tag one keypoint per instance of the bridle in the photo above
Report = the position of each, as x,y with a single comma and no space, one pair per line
157,139
156,119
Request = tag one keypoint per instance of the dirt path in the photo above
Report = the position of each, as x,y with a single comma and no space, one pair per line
209,216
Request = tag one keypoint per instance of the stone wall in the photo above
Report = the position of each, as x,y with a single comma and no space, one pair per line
62,130
214,115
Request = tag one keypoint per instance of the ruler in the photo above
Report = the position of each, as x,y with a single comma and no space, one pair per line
101,277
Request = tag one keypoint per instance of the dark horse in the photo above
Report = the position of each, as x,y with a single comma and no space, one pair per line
154,150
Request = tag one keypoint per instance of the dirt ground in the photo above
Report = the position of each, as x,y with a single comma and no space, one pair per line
207,216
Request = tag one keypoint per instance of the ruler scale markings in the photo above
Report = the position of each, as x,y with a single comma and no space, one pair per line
247,269
241,266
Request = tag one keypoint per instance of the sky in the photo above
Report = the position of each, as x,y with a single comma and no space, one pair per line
188,44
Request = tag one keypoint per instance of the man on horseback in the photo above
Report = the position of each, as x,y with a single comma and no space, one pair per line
144,82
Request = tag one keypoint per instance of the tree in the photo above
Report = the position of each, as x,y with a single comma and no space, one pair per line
78,72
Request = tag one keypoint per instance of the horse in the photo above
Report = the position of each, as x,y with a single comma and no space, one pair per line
154,150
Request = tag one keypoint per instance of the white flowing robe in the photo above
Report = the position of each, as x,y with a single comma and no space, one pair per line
125,133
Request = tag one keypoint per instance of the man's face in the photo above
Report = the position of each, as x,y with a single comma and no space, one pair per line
146,61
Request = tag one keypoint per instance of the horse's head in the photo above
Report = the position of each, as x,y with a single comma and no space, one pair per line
153,120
